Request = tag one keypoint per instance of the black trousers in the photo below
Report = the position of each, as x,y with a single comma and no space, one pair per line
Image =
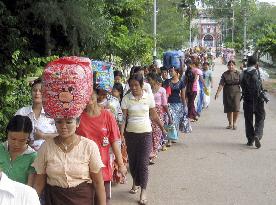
250,110
138,149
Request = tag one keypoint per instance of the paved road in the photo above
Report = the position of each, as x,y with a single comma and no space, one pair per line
212,165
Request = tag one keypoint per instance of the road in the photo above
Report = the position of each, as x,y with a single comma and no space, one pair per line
212,165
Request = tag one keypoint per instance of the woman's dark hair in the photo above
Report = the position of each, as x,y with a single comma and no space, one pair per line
20,123
155,77
132,71
205,63
138,77
117,73
176,70
119,87
137,69
231,61
163,69
36,81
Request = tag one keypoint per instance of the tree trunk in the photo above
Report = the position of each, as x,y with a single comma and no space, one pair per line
47,37
75,43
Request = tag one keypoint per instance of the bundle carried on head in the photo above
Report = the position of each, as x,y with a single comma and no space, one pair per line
67,87
103,75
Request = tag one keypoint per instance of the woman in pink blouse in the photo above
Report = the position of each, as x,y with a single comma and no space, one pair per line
161,107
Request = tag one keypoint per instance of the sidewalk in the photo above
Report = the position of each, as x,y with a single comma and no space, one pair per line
212,165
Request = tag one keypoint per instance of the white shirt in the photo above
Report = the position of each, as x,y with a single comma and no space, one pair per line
43,123
138,112
15,193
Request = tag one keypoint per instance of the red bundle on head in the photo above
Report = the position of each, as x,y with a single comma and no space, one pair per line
67,87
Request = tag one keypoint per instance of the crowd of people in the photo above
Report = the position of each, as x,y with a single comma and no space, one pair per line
76,160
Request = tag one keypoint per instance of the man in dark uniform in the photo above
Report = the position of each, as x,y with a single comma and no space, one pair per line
253,102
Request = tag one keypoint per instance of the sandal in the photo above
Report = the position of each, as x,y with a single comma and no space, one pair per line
169,144
234,127
143,201
229,127
134,190
151,161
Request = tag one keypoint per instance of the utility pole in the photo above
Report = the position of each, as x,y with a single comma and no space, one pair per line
233,21
245,24
154,29
183,20
226,28
190,17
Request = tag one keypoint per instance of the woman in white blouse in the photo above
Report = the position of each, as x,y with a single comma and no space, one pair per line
67,165
43,127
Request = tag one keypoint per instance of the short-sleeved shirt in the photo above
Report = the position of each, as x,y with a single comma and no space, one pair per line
43,123
230,78
160,97
15,193
197,72
103,130
175,92
20,168
68,169
138,112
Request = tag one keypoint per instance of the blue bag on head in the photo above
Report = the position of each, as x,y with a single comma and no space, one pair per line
103,75
173,59
171,132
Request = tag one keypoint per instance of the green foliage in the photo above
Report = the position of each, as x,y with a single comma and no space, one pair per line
268,42
172,23
15,93
236,45
126,38
259,16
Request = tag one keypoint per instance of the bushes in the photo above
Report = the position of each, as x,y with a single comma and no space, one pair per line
15,89
15,94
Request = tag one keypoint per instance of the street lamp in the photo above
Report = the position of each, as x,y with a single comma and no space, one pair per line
190,28
233,21
184,6
245,24
154,28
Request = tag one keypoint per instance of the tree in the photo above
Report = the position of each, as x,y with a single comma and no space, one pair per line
267,44
126,38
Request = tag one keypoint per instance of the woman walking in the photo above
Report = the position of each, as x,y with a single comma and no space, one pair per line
176,100
67,165
161,107
99,125
230,83
138,108
43,127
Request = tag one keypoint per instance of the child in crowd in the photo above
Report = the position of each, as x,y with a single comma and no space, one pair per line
208,78
118,91
118,77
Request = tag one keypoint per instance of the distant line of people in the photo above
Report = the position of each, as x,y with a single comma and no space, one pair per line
75,160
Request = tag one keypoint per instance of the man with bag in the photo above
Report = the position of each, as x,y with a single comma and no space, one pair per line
253,102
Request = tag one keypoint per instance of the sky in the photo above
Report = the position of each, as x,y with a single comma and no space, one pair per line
269,1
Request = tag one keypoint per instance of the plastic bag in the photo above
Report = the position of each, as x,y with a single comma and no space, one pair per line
171,132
